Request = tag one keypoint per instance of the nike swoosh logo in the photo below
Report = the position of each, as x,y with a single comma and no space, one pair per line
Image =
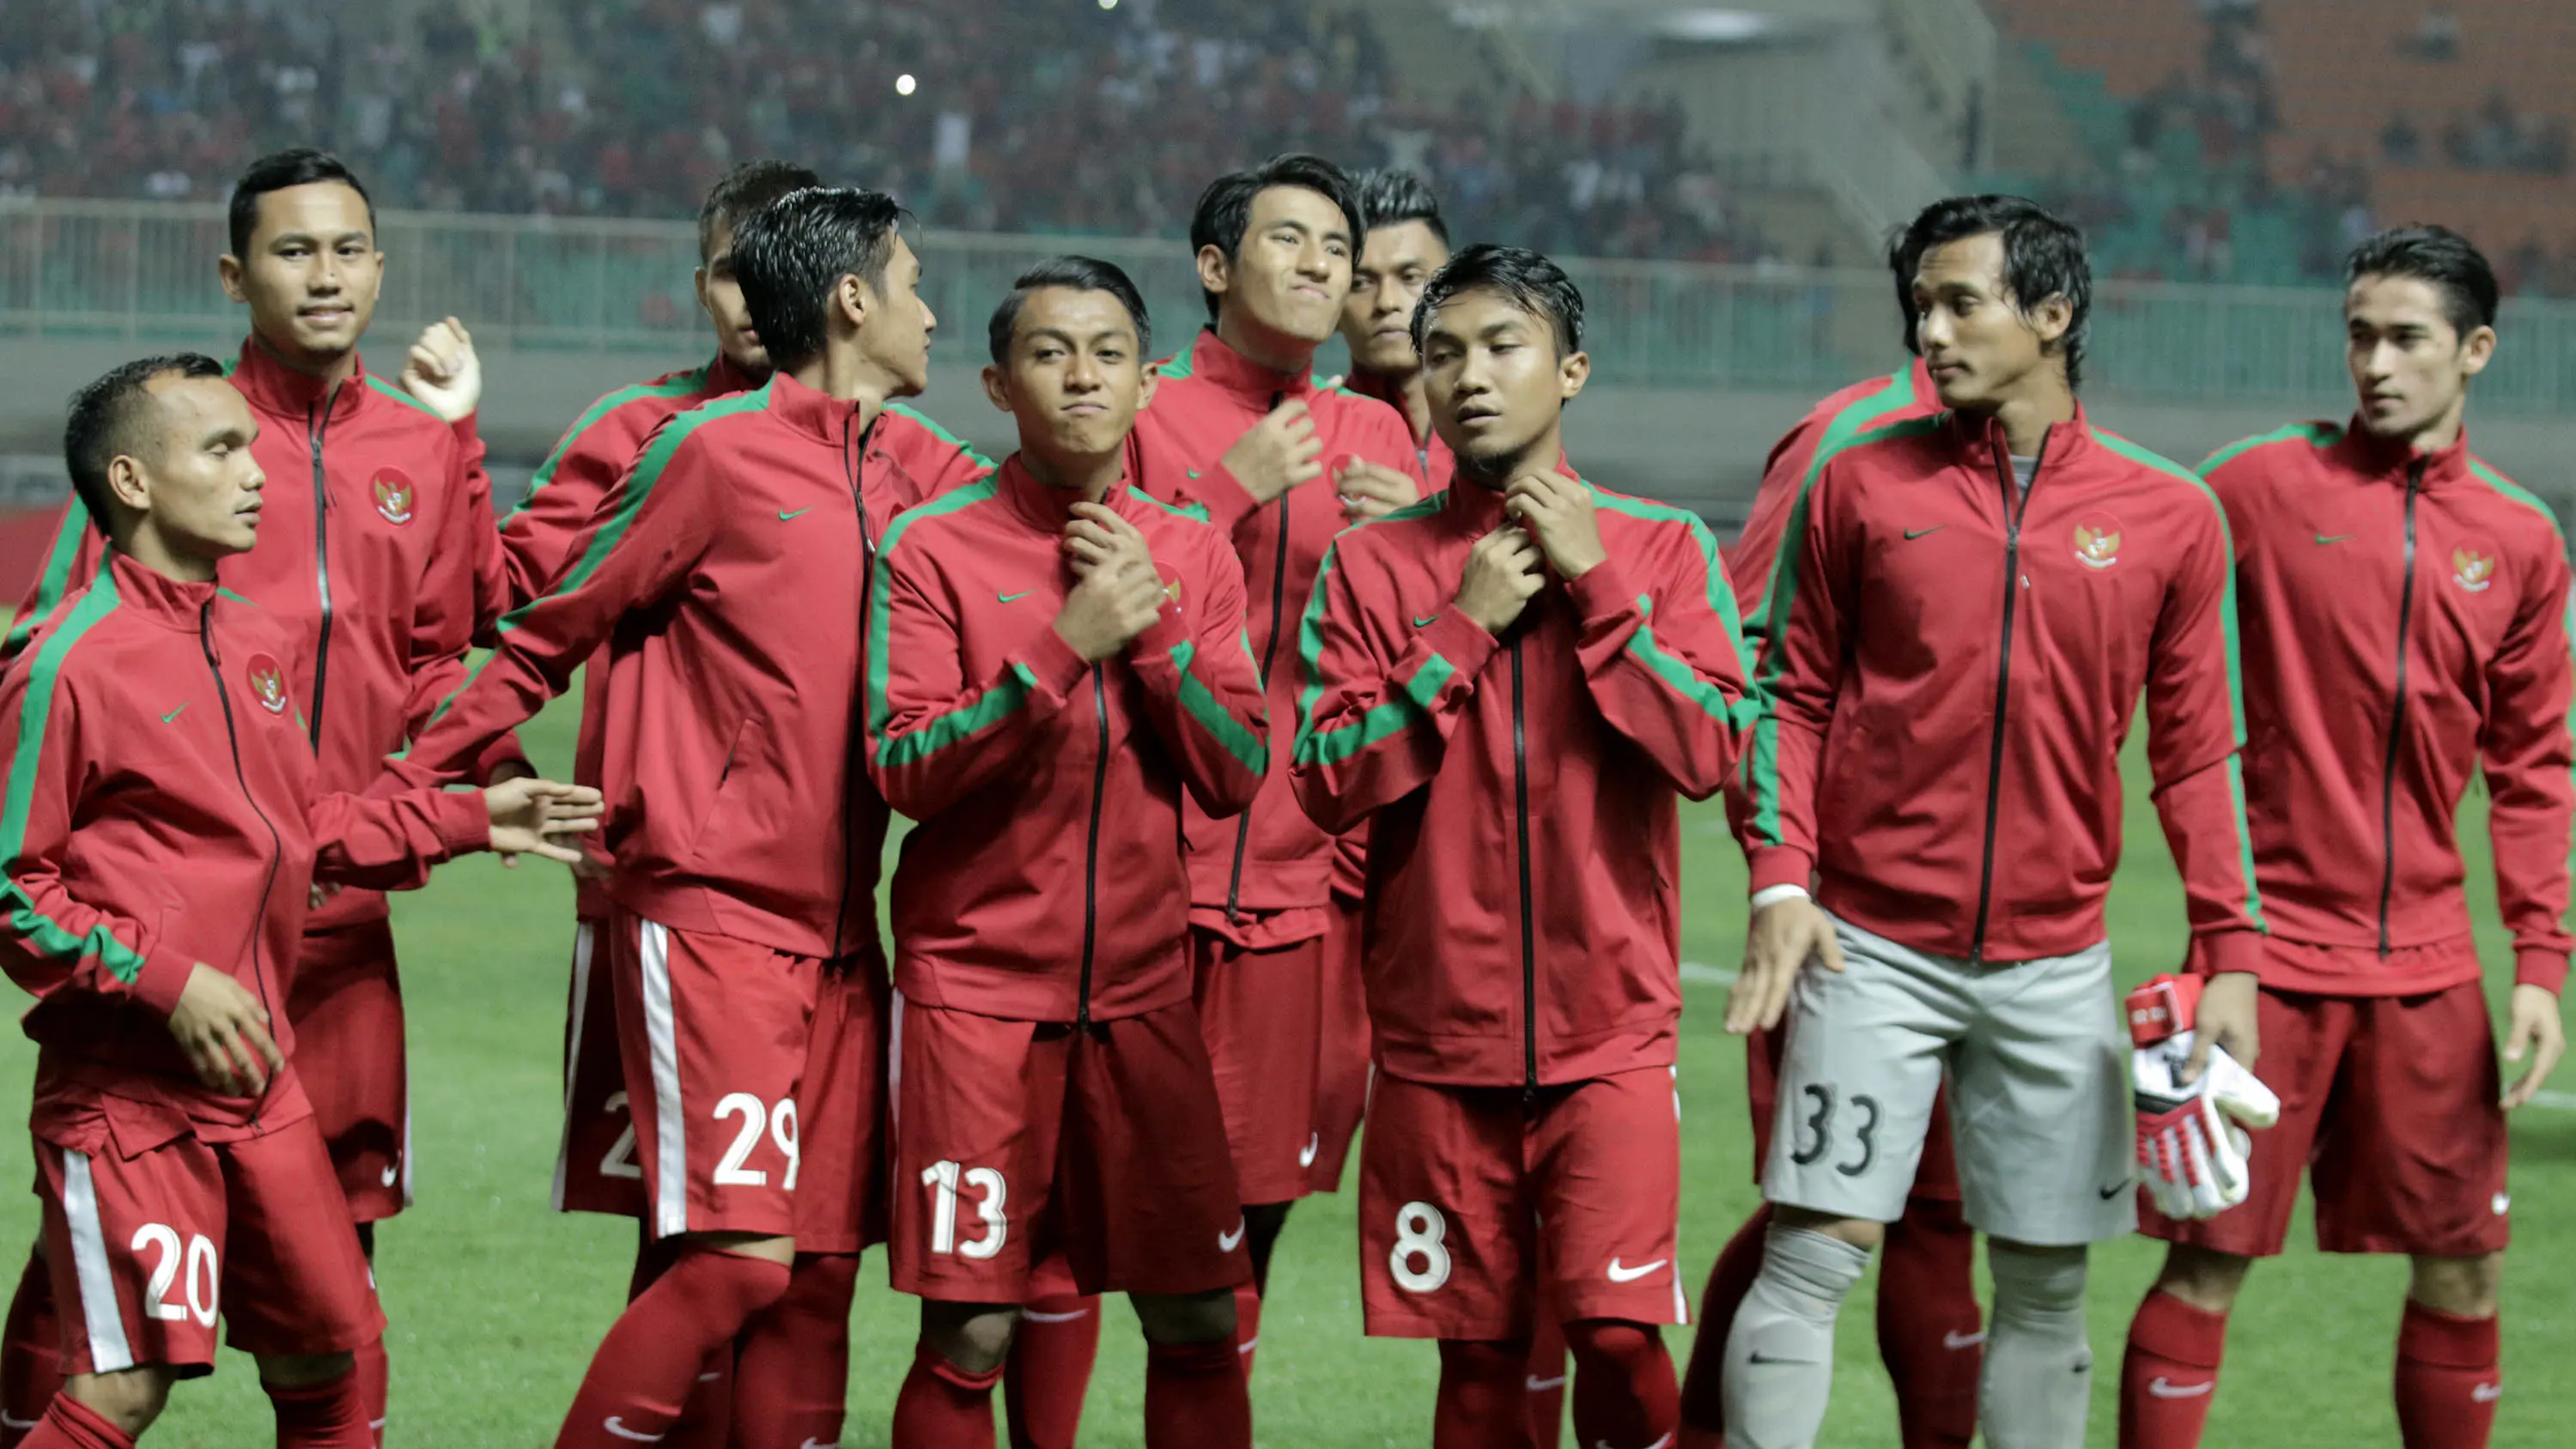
2163,1390
2114,1190
1954,1340
1012,598
2487,1393
1033,1316
8,1423
393,1171
784,515
1228,1242
2334,538
174,714
1314,1144
1912,534
622,1432
1423,621
1631,1275
1539,1385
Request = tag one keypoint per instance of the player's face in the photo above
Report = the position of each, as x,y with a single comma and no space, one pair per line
196,482
1979,344
313,271
1494,380
895,334
721,295
1395,264
2410,365
1293,268
1075,375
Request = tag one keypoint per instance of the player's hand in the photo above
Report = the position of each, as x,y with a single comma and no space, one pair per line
2193,1149
1096,537
2226,1016
1502,576
320,891
224,1031
443,371
1277,453
1783,937
1559,513
537,817
2537,1033
1114,599
1372,490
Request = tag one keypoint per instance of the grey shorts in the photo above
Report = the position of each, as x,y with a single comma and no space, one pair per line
2039,1090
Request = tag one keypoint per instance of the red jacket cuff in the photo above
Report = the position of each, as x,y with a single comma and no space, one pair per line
1056,664
463,821
464,428
2540,966
1779,865
502,751
164,976
1226,500
1460,640
2224,953
1602,592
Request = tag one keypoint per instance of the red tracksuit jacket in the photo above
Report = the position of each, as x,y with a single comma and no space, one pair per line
376,551
726,571
1826,428
1040,781
164,810
1522,919
1951,666
539,536
2405,622
1272,858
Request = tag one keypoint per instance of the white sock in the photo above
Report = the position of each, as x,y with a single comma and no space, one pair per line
1780,1351
2038,1378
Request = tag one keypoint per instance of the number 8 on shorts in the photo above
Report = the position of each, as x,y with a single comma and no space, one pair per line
1419,1261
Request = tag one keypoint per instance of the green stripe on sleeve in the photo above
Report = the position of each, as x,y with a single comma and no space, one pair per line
2315,435
1408,706
1721,596
406,399
956,724
35,712
677,385
1248,749
55,580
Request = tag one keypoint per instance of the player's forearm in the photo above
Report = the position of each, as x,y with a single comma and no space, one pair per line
2203,814
55,943
1662,695
390,843
927,752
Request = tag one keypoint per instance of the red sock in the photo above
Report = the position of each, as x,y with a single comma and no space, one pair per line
1547,1382
1625,1396
1195,1397
792,1365
706,1420
1049,1369
2170,1373
31,1353
1247,1324
1704,1382
1929,1331
71,1424
1484,1396
329,1415
375,1387
942,1406
2447,1381
650,1360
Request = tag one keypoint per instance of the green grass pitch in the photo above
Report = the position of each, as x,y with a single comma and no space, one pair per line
496,1302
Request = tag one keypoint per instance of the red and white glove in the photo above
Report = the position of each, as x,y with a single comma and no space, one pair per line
2191,1149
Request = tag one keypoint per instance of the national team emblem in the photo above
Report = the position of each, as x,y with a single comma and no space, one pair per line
2473,565
393,495
268,684
2097,541
1171,584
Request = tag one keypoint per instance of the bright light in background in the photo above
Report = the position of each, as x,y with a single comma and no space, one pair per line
1108,4
1717,27
904,85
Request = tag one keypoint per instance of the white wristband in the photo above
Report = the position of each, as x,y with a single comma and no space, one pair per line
1774,895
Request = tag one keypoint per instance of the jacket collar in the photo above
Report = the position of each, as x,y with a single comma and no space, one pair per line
1981,443
1211,360
812,414
156,596
2366,453
1390,391
724,378
1470,505
1047,509
273,387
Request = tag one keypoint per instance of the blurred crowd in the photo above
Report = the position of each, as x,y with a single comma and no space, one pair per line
1069,116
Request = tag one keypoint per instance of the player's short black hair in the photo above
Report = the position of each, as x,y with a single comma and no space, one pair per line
1389,195
790,253
2438,255
278,170
1225,208
1904,259
2043,257
1529,281
107,419
1082,274
746,189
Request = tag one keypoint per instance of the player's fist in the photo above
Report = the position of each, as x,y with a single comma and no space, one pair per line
2534,1032
1560,515
2192,1144
1372,490
1277,453
443,371
539,817
1117,594
224,1031
1502,575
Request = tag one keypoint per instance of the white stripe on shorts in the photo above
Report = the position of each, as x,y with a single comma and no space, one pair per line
104,1321
581,946
670,1129
894,1073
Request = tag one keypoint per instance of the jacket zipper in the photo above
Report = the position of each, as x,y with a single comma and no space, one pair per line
2014,513
313,429
2397,715
1091,850
1269,651
276,847
850,749
1529,921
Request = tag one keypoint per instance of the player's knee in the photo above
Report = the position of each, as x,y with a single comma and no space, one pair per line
128,1398
974,1337
1613,1342
1861,1233
299,1370
2461,1287
2032,1279
1177,1318
2202,1277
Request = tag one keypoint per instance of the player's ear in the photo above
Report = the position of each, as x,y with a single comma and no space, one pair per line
1145,389
2052,318
997,386
1572,371
851,299
125,483
2478,351
1216,269
228,270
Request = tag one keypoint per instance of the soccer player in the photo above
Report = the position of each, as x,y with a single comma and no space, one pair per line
1054,660
1511,682
1966,611
178,1161
1406,242
595,1170
728,567
2404,628
378,554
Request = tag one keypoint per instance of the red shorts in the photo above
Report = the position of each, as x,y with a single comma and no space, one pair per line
1342,1042
2392,1104
1257,1010
1014,1140
714,1034
1474,1206
595,1166
840,1191
345,1001
1936,1172
150,1232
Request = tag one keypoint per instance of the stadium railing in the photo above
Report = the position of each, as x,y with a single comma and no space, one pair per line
73,268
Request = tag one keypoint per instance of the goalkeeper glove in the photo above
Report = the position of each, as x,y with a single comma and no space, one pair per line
2191,1149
